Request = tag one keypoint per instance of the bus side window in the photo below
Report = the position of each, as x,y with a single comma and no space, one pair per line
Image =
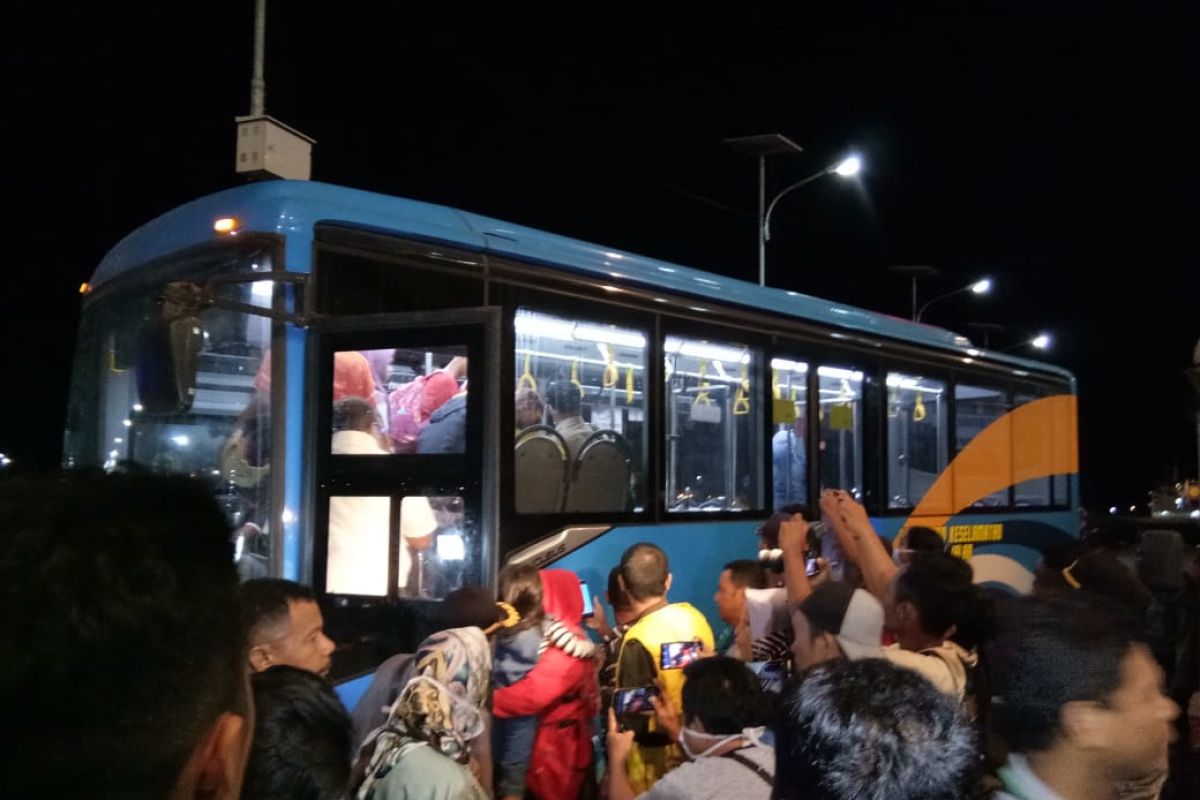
714,426
580,407
917,434
433,552
1032,443
975,408
840,422
789,434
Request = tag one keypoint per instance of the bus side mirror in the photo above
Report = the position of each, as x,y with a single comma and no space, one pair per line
166,363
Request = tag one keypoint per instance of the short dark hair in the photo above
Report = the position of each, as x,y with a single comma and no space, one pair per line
617,597
724,695
941,588
520,586
302,746
121,633
1053,651
924,539
467,607
644,570
746,574
266,603
866,728
353,414
563,397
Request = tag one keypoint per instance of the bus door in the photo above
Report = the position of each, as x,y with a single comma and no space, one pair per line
403,444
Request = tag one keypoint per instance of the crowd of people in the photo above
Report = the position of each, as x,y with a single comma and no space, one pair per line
135,665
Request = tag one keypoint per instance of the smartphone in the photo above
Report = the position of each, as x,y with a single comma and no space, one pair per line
677,655
634,701
588,608
813,552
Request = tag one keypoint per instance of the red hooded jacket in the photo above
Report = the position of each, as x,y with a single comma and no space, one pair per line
561,692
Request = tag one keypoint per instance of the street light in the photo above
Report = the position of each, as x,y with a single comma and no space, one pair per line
846,168
775,144
980,287
849,167
1040,342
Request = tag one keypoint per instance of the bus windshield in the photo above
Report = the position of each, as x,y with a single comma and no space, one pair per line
224,438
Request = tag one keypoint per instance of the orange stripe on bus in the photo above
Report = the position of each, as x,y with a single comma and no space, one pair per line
1036,440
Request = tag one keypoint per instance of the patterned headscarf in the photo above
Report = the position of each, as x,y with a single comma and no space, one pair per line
440,705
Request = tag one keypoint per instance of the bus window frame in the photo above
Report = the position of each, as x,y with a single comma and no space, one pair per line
817,353
1011,387
693,328
925,370
400,475
516,298
424,260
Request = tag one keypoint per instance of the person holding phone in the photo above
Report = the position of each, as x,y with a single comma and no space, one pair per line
645,578
720,730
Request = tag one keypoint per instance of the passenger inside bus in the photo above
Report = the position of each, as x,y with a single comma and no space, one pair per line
446,429
412,404
358,526
565,402
529,408
789,464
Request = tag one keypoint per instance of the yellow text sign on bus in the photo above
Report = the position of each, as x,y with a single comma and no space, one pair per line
961,539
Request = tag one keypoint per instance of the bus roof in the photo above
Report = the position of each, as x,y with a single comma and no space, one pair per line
293,208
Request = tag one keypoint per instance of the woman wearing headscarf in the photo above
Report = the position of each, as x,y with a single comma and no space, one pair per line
423,751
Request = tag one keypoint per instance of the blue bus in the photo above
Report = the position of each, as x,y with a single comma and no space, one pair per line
392,398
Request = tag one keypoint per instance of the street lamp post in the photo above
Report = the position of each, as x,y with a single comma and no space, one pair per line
982,286
763,145
986,330
915,272
772,144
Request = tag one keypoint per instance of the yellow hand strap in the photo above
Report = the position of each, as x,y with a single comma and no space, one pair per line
703,397
919,409
527,378
629,386
741,401
575,377
610,369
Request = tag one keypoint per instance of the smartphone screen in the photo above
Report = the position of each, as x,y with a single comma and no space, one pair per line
634,701
811,567
677,655
588,609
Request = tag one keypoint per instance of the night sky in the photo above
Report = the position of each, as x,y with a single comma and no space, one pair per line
1053,150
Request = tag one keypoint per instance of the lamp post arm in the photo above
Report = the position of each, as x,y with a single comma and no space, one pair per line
921,310
788,190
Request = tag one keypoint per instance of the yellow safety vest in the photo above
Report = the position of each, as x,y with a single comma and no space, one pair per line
678,622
